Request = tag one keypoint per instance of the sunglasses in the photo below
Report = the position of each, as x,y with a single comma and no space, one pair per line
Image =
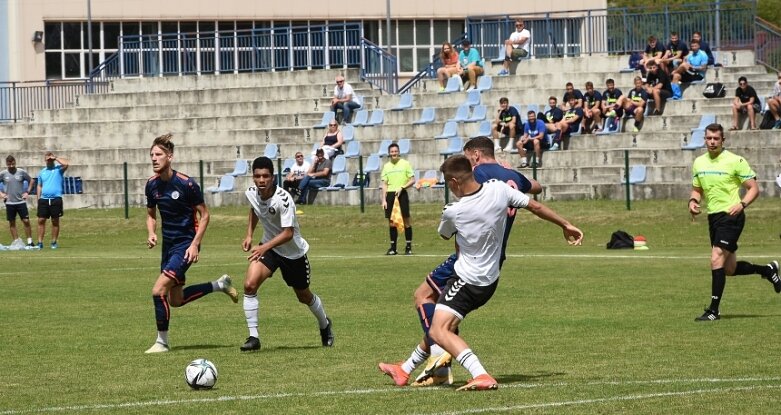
299,156
332,125
339,82
519,25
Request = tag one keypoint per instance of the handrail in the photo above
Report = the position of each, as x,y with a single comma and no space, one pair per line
767,44
379,68
20,100
430,69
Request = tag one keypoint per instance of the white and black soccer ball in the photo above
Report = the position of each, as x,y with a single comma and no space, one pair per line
200,374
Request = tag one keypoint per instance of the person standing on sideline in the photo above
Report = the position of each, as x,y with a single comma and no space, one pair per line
180,202
717,176
282,247
49,194
15,197
397,177
344,99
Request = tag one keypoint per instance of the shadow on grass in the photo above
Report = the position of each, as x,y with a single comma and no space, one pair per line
730,316
203,347
526,378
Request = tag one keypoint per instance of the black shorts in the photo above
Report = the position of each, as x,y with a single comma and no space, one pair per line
295,272
544,144
461,298
390,197
50,208
665,94
725,230
691,77
12,210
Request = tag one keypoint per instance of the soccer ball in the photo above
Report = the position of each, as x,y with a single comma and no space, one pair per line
200,374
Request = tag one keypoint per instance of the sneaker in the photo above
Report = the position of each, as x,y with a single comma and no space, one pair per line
157,348
523,165
503,72
772,276
554,147
40,245
326,335
635,129
408,250
777,125
480,383
391,251
399,376
437,371
441,89
227,288
54,245
30,245
537,165
252,344
709,315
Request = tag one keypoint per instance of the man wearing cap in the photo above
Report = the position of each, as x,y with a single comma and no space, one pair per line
50,196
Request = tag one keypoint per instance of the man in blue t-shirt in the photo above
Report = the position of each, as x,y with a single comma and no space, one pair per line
533,138
693,67
49,194
470,60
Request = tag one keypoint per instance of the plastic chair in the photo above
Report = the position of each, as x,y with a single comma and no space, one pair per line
382,150
348,132
453,84
378,117
485,83
450,130
341,182
288,164
483,129
271,151
533,107
462,114
636,174
426,117
613,127
353,149
705,120
697,141
240,168
454,145
339,164
478,113
404,146
405,102
472,98
327,118
372,164
361,118
226,184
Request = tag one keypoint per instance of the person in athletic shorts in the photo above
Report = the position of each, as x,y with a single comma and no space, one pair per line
49,193
282,247
397,176
717,176
180,201
15,197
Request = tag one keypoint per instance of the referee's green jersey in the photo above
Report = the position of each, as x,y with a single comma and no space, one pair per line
397,175
720,179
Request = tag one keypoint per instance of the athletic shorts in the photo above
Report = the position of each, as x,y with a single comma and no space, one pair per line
725,230
390,198
690,77
630,112
461,298
665,94
295,272
50,208
544,144
438,278
757,108
11,210
573,127
519,53
173,264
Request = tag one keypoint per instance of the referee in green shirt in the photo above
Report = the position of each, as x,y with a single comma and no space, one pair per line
397,177
718,176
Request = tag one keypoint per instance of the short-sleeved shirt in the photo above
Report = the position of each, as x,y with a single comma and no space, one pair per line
275,214
573,114
678,47
698,59
653,51
636,95
705,47
325,164
299,171
592,100
346,89
176,200
720,179
660,77
578,95
478,222
396,175
554,114
14,185
745,95
451,59
611,97
535,129
777,90
516,36
50,181
472,56
507,115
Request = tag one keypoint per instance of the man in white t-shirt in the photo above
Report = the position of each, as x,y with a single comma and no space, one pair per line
297,172
282,246
516,47
344,99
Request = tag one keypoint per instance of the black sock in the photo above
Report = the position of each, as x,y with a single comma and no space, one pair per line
394,235
719,280
196,291
408,236
747,268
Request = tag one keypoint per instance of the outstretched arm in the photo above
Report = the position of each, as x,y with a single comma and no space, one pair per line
573,235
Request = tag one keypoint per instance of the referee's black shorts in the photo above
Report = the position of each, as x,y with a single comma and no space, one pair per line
725,230
390,197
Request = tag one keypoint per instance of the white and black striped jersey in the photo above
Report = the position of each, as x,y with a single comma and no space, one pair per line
275,214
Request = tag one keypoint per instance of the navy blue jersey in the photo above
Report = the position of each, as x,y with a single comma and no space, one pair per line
593,99
176,200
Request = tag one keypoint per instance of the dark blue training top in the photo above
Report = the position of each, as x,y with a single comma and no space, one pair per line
176,200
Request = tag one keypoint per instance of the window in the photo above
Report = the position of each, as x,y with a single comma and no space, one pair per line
53,35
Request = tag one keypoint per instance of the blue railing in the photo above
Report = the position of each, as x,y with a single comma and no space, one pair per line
19,100
767,45
430,71
379,67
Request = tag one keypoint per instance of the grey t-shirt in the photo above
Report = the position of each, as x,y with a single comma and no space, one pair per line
14,185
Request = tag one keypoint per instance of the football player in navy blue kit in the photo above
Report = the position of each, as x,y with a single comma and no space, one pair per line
180,202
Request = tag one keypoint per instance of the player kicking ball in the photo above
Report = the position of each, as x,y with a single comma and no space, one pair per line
282,247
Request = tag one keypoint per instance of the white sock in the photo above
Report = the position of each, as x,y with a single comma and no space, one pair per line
251,305
317,309
417,357
162,337
523,160
216,286
436,350
29,240
471,363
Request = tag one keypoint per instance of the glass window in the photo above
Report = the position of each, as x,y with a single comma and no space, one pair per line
371,31
440,32
53,65
53,36
406,63
95,62
73,65
243,25
71,35
130,29
205,27
406,32
188,27
424,58
110,35
423,32
149,28
456,28
169,27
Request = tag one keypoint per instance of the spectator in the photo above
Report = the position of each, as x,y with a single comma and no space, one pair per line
570,90
471,63
652,52
612,100
774,103
658,86
570,122
673,55
507,118
397,177
705,47
15,197
693,67
332,141
592,113
552,116
746,102
635,103
450,65
344,99
319,175
50,196
534,138
297,172
516,47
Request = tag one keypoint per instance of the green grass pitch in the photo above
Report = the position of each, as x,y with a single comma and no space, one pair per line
579,330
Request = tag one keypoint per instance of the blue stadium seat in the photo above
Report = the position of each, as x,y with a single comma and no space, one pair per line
472,98
404,146
485,83
636,174
271,151
361,118
449,130
240,168
705,120
405,102
372,164
353,149
288,163
483,129
478,113
454,145
377,118
341,181
226,184
611,127
453,84
348,132
339,164
327,118
426,117
382,150
462,114
697,140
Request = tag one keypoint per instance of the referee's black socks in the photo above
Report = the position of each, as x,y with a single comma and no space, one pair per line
719,280
747,268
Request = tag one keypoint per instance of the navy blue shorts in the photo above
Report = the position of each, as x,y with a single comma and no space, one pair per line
16,209
438,278
173,264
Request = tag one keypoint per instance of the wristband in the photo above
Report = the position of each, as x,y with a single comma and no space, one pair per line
744,204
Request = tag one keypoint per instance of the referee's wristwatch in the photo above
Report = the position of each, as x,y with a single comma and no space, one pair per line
744,204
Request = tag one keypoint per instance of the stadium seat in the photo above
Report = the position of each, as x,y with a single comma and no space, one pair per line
348,132
453,84
341,181
426,117
533,107
462,114
519,108
483,129
636,174
240,168
382,150
287,164
271,151
478,113
454,145
485,83
450,130
327,118
372,164
339,164
405,102
361,118
611,127
697,140
472,98
353,149
404,146
226,184
377,118
705,120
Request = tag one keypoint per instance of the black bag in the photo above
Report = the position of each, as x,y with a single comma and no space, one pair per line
767,121
714,90
621,240
360,176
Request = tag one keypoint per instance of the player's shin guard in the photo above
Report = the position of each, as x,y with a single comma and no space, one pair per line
251,305
719,280
426,313
162,312
195,292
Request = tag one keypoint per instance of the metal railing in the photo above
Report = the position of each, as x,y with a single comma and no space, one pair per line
430,71
767,45
379,67
18,100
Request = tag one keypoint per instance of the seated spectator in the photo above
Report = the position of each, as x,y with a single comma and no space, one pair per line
472,64
533,139
653,51
674,53
506,121
612,100
746,102
592,112
705,47
450,65
552,116
344,99
319,175
693,67
570,122
297,172
774,103
332,141
516,47
658,86
570,90
635,103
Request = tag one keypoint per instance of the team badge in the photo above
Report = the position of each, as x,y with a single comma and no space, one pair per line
271,210
174,195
